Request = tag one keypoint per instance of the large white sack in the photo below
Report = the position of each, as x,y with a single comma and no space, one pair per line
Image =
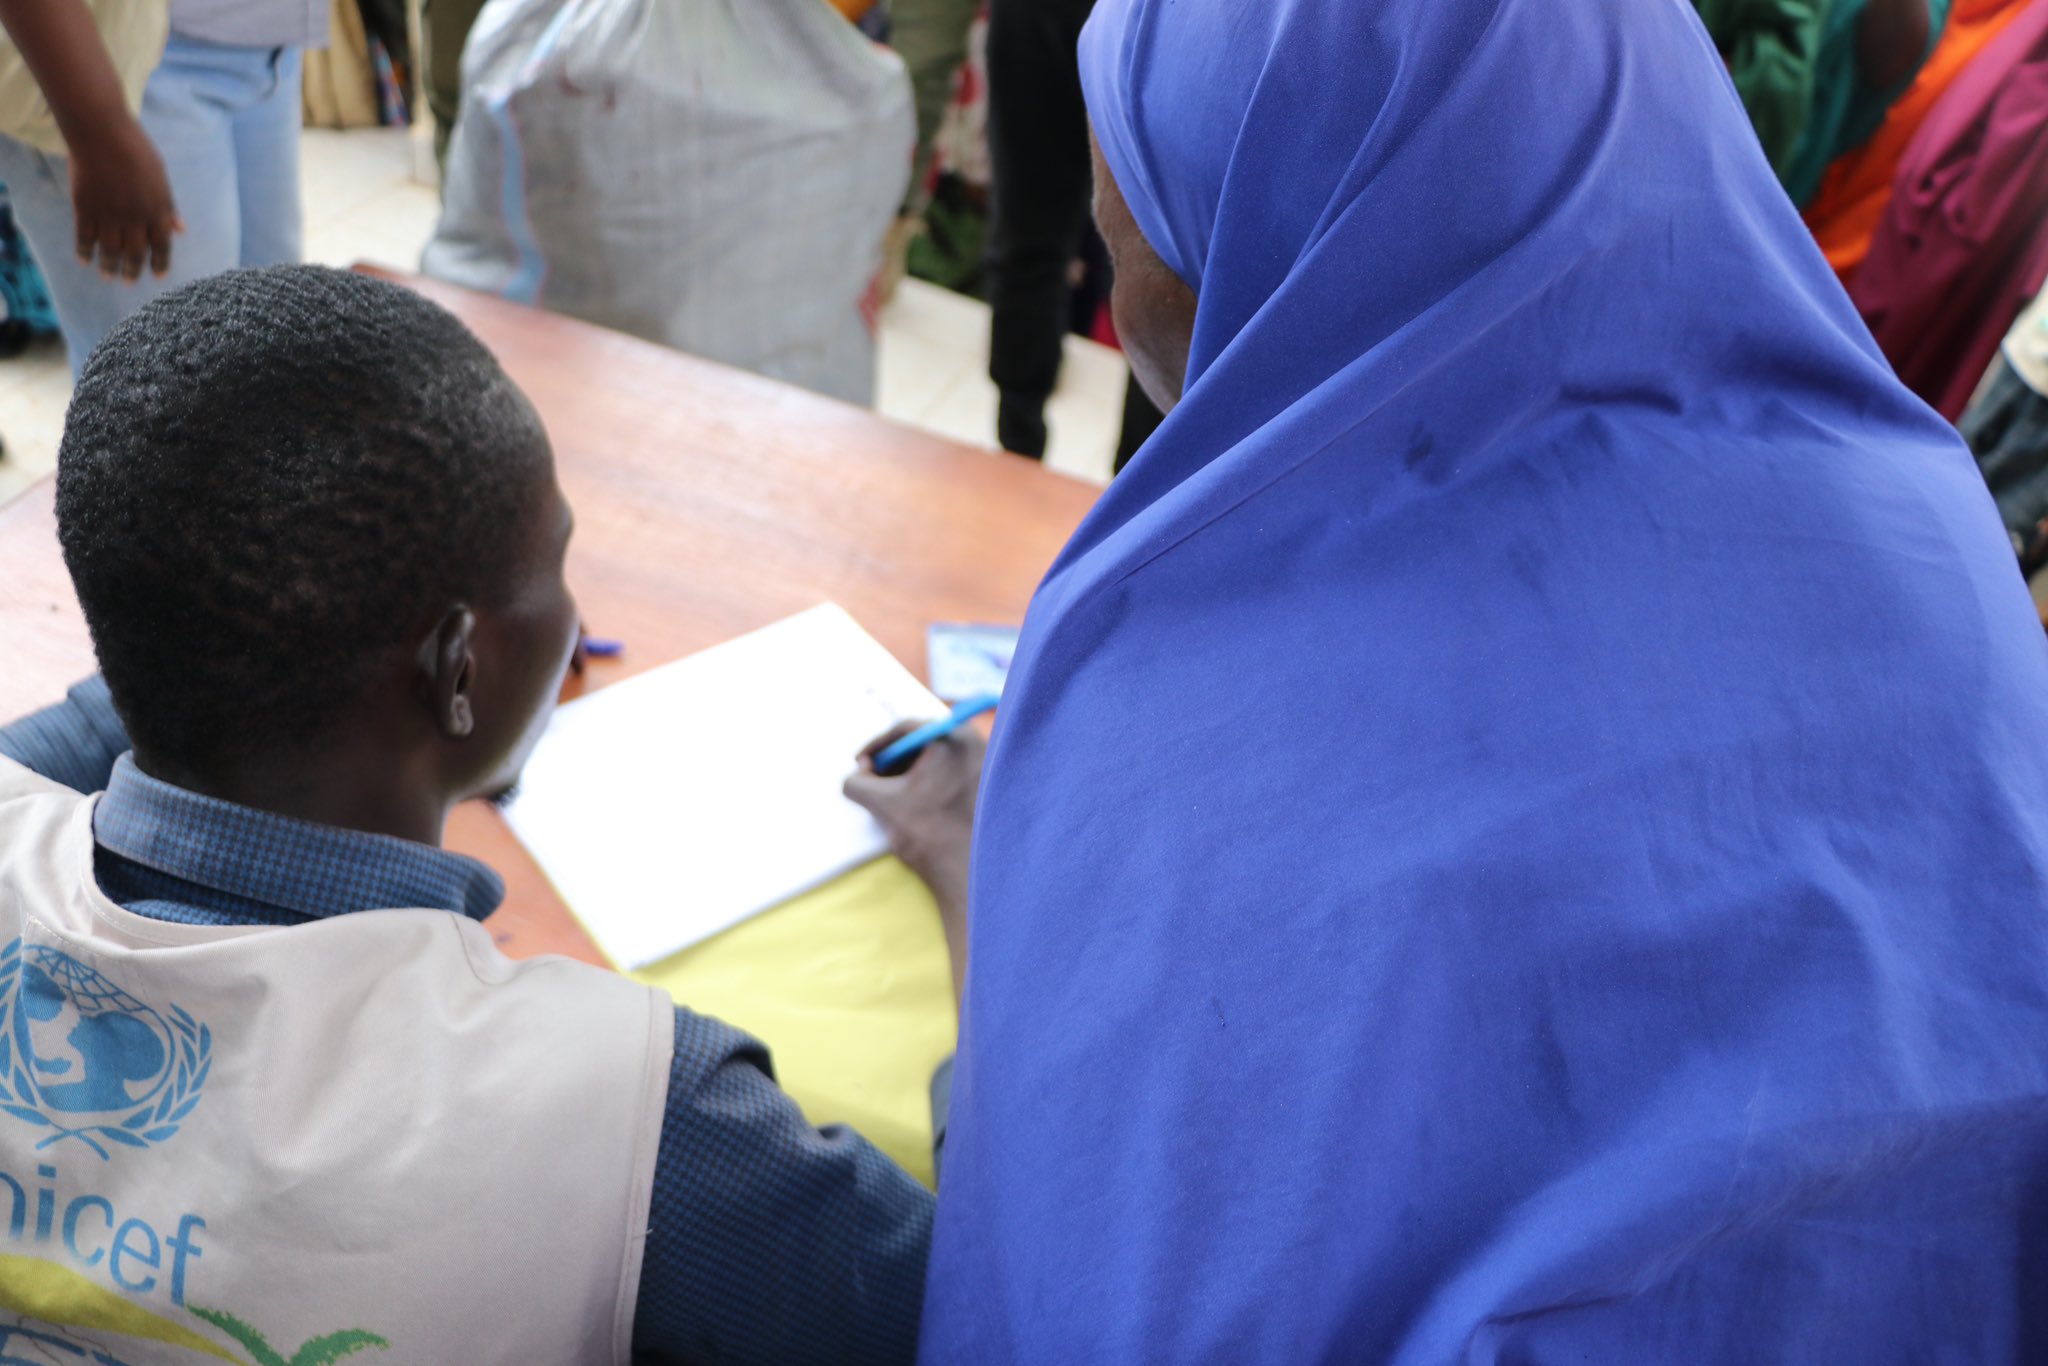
717,175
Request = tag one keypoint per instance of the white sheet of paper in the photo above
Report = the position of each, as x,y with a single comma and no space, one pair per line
676,804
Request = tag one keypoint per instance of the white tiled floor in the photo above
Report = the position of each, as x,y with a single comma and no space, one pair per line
34,388
935,375
362,204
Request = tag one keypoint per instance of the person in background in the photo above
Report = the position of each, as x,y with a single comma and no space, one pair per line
444,28
1857,188
931,36
1771,48
213,158
1870,51
1038,151
1963,244
729,195
2007,428
1817,75
1534,773
91,86
330,482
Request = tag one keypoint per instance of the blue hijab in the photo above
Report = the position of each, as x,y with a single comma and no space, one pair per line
1520,828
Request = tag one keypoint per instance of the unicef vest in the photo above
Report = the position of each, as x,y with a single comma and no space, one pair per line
370,1137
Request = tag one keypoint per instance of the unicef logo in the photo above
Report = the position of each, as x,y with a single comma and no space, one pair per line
83,1059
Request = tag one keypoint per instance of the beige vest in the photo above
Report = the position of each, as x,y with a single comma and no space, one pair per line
370,1137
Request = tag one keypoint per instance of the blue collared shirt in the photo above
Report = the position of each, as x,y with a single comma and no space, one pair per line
770,1241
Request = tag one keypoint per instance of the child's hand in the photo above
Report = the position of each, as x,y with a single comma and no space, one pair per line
120,196
121,201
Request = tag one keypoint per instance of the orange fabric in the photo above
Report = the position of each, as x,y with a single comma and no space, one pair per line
1858,187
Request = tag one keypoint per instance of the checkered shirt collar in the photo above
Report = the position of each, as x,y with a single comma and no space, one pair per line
298,866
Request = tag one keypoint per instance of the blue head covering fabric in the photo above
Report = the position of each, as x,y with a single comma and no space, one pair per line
1518,832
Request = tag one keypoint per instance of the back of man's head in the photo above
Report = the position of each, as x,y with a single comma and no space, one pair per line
268,481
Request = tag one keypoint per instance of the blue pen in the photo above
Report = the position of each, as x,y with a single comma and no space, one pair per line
897,757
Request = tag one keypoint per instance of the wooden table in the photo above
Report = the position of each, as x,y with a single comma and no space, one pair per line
708,502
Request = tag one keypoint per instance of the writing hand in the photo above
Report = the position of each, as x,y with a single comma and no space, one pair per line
928,814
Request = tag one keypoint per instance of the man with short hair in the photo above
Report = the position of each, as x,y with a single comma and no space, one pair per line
270,1077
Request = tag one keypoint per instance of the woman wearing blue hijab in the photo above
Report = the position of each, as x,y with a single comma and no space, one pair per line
1520,827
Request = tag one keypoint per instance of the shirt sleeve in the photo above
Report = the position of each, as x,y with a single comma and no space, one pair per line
75,742
769,1240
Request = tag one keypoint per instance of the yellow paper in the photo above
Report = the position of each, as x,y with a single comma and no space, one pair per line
851,989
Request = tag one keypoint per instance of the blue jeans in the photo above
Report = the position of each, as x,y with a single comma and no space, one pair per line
226,122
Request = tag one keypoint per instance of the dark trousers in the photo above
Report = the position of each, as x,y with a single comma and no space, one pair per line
444,28
1038,149
2007,428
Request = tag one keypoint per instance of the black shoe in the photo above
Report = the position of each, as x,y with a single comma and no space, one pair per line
1020,426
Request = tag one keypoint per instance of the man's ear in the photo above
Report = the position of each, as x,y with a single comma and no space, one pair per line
447,669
